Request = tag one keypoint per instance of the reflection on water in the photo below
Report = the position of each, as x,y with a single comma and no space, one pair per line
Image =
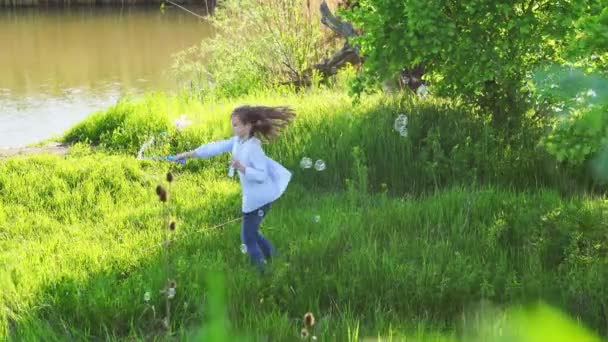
57,66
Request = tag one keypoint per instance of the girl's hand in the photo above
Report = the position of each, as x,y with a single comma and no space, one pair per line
184,155
237,165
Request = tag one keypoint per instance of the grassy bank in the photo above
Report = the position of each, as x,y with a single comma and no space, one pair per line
80,248
399,236
445,144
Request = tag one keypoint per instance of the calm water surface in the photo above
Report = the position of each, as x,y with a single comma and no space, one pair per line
58,66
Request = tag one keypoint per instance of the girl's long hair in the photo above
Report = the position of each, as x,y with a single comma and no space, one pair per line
265,121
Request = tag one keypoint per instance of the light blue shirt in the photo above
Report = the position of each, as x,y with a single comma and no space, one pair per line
263,181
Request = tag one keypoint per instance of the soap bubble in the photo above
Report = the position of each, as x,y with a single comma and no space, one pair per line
181,123
306,163
244,248
422,91
147,296
261,213
400,122
319,165
317,218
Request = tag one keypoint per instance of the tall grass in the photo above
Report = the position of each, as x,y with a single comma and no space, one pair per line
446,144
80,248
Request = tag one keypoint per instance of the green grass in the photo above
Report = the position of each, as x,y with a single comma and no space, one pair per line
446,144
415,233
80,246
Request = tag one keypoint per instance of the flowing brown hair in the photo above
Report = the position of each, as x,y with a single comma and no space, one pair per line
266,121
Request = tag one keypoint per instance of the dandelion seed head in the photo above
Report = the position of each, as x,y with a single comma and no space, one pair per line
304,333
309,319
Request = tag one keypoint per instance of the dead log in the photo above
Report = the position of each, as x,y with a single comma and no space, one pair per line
349,54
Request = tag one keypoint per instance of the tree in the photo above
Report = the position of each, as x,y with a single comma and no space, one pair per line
479,51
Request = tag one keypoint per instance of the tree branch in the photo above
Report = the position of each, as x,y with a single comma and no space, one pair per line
343,28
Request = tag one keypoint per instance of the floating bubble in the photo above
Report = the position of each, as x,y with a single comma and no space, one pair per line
306,163
244,248
422,91
316,218
400,122
261,213
319,165
147,296
181,123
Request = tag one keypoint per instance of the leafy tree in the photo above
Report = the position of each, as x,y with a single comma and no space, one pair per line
480,51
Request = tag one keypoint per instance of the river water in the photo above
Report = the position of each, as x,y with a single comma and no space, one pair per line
57,66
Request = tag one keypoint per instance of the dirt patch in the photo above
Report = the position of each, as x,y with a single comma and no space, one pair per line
55,148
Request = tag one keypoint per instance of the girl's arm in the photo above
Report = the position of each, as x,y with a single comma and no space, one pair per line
258,171
208,150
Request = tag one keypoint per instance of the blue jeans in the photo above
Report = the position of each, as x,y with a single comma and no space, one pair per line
257,246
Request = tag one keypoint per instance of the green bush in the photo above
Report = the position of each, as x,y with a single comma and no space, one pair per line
578,134
259,45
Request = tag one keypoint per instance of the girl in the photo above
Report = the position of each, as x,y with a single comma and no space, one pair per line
262,179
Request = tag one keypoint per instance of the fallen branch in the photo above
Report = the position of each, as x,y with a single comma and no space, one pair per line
189,11
406,78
